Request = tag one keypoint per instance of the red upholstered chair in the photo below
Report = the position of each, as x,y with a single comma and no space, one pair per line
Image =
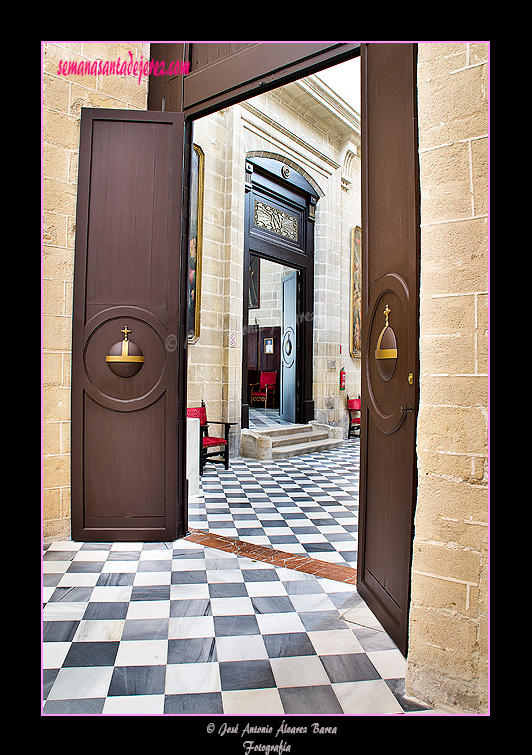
265,389
353,408
213,449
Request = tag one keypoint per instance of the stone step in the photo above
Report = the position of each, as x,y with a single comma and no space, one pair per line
295,438
289,440
298,449
275,432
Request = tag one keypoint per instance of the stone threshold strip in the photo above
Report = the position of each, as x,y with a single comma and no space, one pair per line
295,561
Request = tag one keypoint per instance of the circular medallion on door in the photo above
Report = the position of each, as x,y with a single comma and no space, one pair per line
387,342
287,347
127,373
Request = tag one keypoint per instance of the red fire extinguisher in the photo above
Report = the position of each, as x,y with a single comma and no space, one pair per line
342,379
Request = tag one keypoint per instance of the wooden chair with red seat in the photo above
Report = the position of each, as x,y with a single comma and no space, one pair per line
265,389
353,408
213,449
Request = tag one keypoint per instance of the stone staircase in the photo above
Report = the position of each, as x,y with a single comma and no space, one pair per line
289,440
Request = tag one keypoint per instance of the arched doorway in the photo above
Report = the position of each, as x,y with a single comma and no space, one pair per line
279,229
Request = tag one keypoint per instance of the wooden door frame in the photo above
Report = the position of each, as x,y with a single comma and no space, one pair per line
256,68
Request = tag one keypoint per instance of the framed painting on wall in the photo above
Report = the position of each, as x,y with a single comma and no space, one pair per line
195,244
355,324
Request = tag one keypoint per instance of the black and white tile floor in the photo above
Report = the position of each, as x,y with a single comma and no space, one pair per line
183,628
306,504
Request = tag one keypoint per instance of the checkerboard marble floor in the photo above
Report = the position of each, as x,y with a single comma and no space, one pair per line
178,628
306,504
262,417
185,628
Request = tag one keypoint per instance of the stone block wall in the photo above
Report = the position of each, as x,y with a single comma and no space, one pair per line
269,313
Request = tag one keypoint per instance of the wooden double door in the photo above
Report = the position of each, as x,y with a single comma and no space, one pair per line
130,306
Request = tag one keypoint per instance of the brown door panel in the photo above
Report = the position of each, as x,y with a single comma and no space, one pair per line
389,390
127,423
